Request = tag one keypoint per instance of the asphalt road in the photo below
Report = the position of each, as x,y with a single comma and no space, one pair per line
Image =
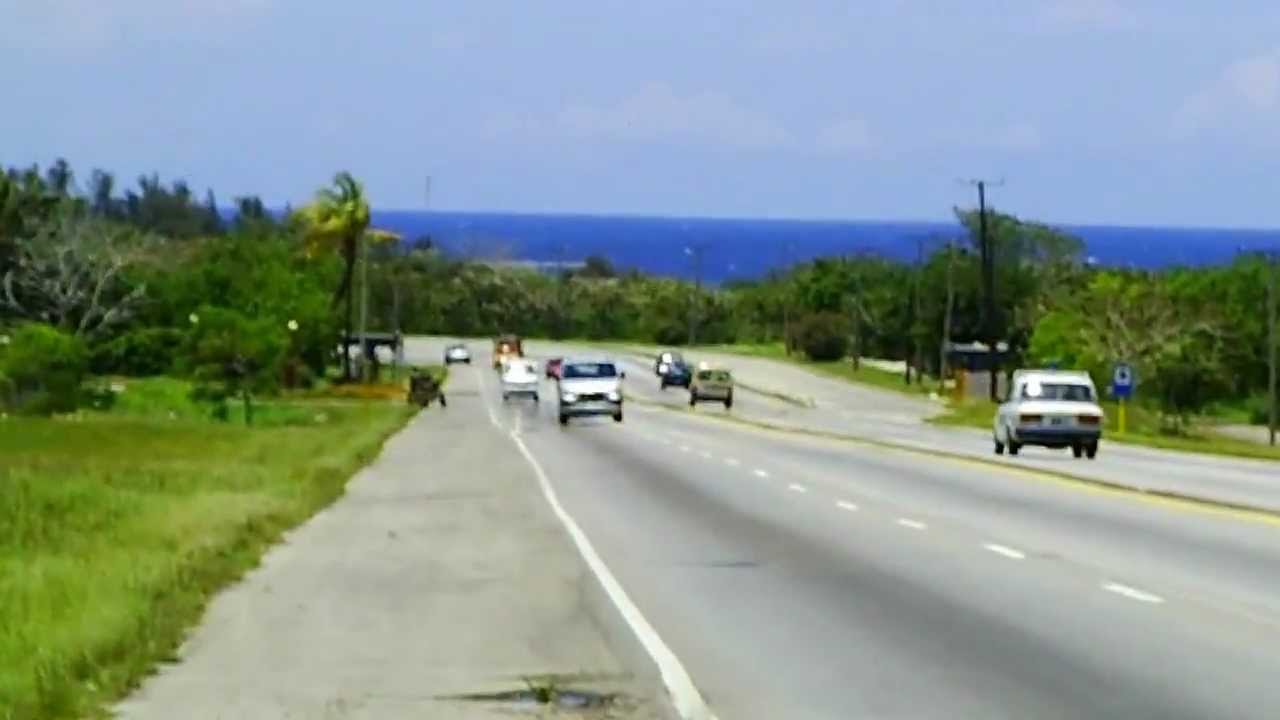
804,578
839,407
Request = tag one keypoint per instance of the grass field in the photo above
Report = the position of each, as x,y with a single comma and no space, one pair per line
116,527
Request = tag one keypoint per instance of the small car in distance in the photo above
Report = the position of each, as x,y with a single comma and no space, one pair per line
664,360
1049,408
520,377
590,387
553,368
678,374
714,384
457,353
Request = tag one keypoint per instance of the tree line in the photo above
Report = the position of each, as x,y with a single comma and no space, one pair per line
159,278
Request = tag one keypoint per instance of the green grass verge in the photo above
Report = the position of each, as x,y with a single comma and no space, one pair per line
1143,428
117,527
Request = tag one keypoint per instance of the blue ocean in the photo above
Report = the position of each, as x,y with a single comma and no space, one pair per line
731,248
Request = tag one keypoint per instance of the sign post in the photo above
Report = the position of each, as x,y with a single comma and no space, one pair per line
1122,383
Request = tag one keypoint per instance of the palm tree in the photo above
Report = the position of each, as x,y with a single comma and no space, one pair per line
336,222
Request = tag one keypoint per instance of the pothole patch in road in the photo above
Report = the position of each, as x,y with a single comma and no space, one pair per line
547,693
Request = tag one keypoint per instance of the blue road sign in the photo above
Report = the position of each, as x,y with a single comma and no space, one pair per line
1122,380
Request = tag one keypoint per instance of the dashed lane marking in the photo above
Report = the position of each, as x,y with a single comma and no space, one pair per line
1005,551
1132,593
913,524
846,505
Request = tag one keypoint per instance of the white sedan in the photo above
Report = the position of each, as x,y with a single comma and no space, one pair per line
520,377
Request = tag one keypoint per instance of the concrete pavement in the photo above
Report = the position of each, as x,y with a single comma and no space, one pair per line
803,578
442,571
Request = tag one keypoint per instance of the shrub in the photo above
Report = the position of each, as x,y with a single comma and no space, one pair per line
823,336
233,356
139,353
44,367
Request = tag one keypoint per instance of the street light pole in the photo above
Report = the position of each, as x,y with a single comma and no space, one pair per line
364,307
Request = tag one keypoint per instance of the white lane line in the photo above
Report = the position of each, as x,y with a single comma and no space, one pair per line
913,524
689,703
797,487
732,462
760,473
685,448
705,454
846,505
1006,551
1132,593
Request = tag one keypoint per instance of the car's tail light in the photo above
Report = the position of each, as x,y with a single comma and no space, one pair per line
1088,419
1030,419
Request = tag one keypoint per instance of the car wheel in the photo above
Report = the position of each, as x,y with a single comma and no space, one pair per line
535,397
1014,447
1077,450
728,401
999,448
505,397
693,399
1091,450
617,417
564,419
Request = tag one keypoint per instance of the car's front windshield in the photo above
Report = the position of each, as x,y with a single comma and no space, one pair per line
590,370
1057,391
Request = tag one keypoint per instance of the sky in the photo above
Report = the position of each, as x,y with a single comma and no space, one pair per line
1134,112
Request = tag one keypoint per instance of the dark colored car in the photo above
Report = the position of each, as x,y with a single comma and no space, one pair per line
553,367
665,358
677,374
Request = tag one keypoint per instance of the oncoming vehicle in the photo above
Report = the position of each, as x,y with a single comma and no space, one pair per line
715,384
457,352
1049,408
506,347
590,387
553,368
520,377
664,360
677,374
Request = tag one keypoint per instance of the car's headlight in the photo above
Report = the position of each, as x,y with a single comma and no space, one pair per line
569,398
614,396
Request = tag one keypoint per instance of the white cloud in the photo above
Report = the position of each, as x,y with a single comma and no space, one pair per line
1243,99
1087,15
846,136
658,113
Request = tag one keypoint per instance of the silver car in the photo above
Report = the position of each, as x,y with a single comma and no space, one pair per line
590,387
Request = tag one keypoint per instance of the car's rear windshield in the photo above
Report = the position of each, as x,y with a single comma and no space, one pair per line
590,370
714,375
1057,391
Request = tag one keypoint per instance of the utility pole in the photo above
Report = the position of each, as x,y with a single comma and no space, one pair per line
988,289
786,299
365,362
1271,343
946,316
695,252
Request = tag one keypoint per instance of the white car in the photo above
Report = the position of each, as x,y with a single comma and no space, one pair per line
1049,408
590,387
457,353
520,377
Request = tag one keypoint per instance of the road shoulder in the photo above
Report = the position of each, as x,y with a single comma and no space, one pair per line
442,572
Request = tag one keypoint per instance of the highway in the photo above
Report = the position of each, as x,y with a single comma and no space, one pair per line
802,577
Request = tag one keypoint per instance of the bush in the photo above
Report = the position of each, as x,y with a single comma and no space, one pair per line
140,353
44,367
823,336
233,356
